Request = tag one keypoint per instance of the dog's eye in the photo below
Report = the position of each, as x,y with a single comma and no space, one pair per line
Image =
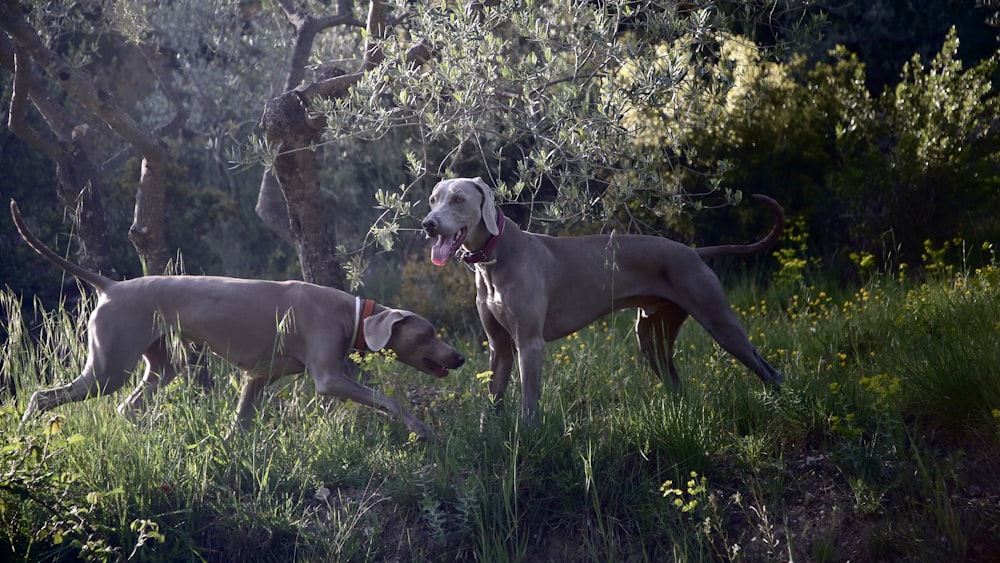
459,199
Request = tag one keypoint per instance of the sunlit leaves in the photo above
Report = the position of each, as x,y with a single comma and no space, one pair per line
539,79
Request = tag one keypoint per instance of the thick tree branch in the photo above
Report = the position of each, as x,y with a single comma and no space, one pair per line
327,88
419,54
30,87
175,96
306,29
77,84
75,169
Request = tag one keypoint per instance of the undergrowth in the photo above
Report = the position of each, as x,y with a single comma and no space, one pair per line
882,445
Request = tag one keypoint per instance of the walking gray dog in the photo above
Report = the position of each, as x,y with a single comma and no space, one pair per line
532,289
268,329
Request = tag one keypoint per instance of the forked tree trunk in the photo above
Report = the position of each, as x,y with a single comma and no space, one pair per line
297,212
290,202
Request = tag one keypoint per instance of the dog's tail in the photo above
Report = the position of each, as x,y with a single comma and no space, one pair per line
97,280
763,244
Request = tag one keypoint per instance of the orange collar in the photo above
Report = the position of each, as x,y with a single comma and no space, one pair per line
362,310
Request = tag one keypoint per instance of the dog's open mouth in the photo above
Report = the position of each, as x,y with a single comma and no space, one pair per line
446,247
435,368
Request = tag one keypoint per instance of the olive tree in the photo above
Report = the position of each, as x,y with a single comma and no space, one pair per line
98,83
554,102
42,74
114,80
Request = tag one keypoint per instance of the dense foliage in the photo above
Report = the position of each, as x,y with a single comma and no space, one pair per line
879,174
615,111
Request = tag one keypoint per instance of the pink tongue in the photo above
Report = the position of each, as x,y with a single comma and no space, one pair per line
441,251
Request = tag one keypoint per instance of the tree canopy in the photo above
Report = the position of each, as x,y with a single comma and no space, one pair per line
616,112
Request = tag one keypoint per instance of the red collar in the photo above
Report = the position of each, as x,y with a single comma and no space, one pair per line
361,312
483,254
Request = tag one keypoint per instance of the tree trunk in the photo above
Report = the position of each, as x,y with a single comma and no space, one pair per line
148,230
292,132
80,189
272,209
290,201
288,128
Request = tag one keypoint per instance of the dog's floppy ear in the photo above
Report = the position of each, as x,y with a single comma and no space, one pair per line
489,210
378,328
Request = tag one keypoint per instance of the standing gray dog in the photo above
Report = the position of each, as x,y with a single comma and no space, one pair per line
532,289
267,328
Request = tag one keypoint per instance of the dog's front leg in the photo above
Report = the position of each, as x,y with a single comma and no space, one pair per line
249,397
336,385
501,359
529,363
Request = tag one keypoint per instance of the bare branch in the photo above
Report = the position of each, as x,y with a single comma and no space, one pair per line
306,29
376,29
19,107
329,87
288,8
174,95
30,86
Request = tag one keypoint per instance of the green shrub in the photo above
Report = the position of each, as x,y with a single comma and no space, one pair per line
871,174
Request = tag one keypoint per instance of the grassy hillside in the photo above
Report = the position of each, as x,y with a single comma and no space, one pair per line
883,445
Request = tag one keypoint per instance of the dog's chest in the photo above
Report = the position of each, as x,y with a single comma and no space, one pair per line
500,289
488,290
504,297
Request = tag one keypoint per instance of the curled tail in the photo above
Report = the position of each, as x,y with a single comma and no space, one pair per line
757,247
97,280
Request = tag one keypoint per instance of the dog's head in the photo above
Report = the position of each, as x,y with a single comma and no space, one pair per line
413,340
462,211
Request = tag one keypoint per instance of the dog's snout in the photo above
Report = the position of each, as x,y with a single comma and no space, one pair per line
453,359
429,225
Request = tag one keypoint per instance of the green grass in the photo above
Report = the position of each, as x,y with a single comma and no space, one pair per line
883,445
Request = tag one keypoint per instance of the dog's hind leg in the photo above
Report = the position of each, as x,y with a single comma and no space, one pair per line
116,338
101,375
656,329
727,331
734,340
159,372
253,388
